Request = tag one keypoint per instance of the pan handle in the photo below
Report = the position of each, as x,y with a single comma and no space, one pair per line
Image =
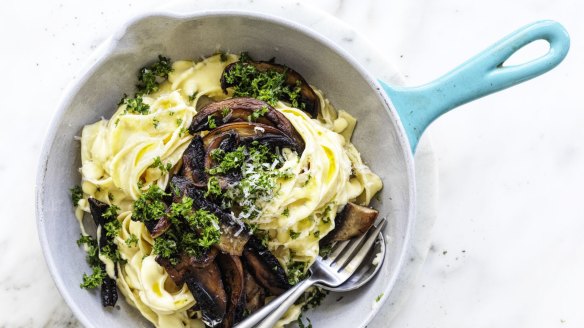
478,77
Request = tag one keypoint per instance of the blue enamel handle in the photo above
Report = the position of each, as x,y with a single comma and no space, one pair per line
478,77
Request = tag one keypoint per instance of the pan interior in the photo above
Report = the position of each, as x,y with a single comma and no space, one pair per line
377,137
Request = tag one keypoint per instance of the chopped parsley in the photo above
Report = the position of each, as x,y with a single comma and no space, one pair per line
211,122
166,248
112,228
378,298
313,298
213,187
149,206
136,106
164,168
155,122
76,195
92,249
111,252
286,212
316,234
132,241
225,111
227,161
111,212
268,86
95,279
151,76
293,234
296,272
257,114
325,250
223,56
192,232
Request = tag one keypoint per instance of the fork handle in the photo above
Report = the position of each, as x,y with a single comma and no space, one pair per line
271,319
257,316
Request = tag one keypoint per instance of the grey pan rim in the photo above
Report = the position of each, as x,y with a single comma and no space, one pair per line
106,49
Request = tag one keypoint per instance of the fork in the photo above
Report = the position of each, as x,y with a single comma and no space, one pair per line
331,270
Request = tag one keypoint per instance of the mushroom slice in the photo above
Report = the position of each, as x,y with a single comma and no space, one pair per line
207,288
354,220
255,295
242,110
179,271
233,280
249,132
307,98
109,291
264,266
194,162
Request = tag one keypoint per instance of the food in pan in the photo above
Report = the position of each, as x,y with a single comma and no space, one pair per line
215,187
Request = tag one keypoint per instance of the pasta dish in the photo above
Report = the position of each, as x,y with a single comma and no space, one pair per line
214,188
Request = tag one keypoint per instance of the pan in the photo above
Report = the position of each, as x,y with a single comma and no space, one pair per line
391,120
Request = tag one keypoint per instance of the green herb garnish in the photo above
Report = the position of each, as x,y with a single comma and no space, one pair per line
296,272
151,76
95,279
378,298
164,168
132,241
92,249
111,212
211,122
268,86
293,234
136,106
257,114
76,195
149,205
112,228
213,187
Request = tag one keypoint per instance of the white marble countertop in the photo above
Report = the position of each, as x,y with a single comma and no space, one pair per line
506,249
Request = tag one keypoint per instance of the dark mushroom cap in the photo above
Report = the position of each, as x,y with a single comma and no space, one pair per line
354,220
241,110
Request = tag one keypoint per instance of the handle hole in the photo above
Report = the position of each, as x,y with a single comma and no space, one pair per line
527,53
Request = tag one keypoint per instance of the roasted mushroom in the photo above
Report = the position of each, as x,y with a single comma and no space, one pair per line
255,295
307,99
233,280
354,220
109,291
207,288
242,110
265,268
249,132
179,271
194,162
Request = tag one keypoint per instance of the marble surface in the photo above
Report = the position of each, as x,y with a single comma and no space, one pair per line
506,250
